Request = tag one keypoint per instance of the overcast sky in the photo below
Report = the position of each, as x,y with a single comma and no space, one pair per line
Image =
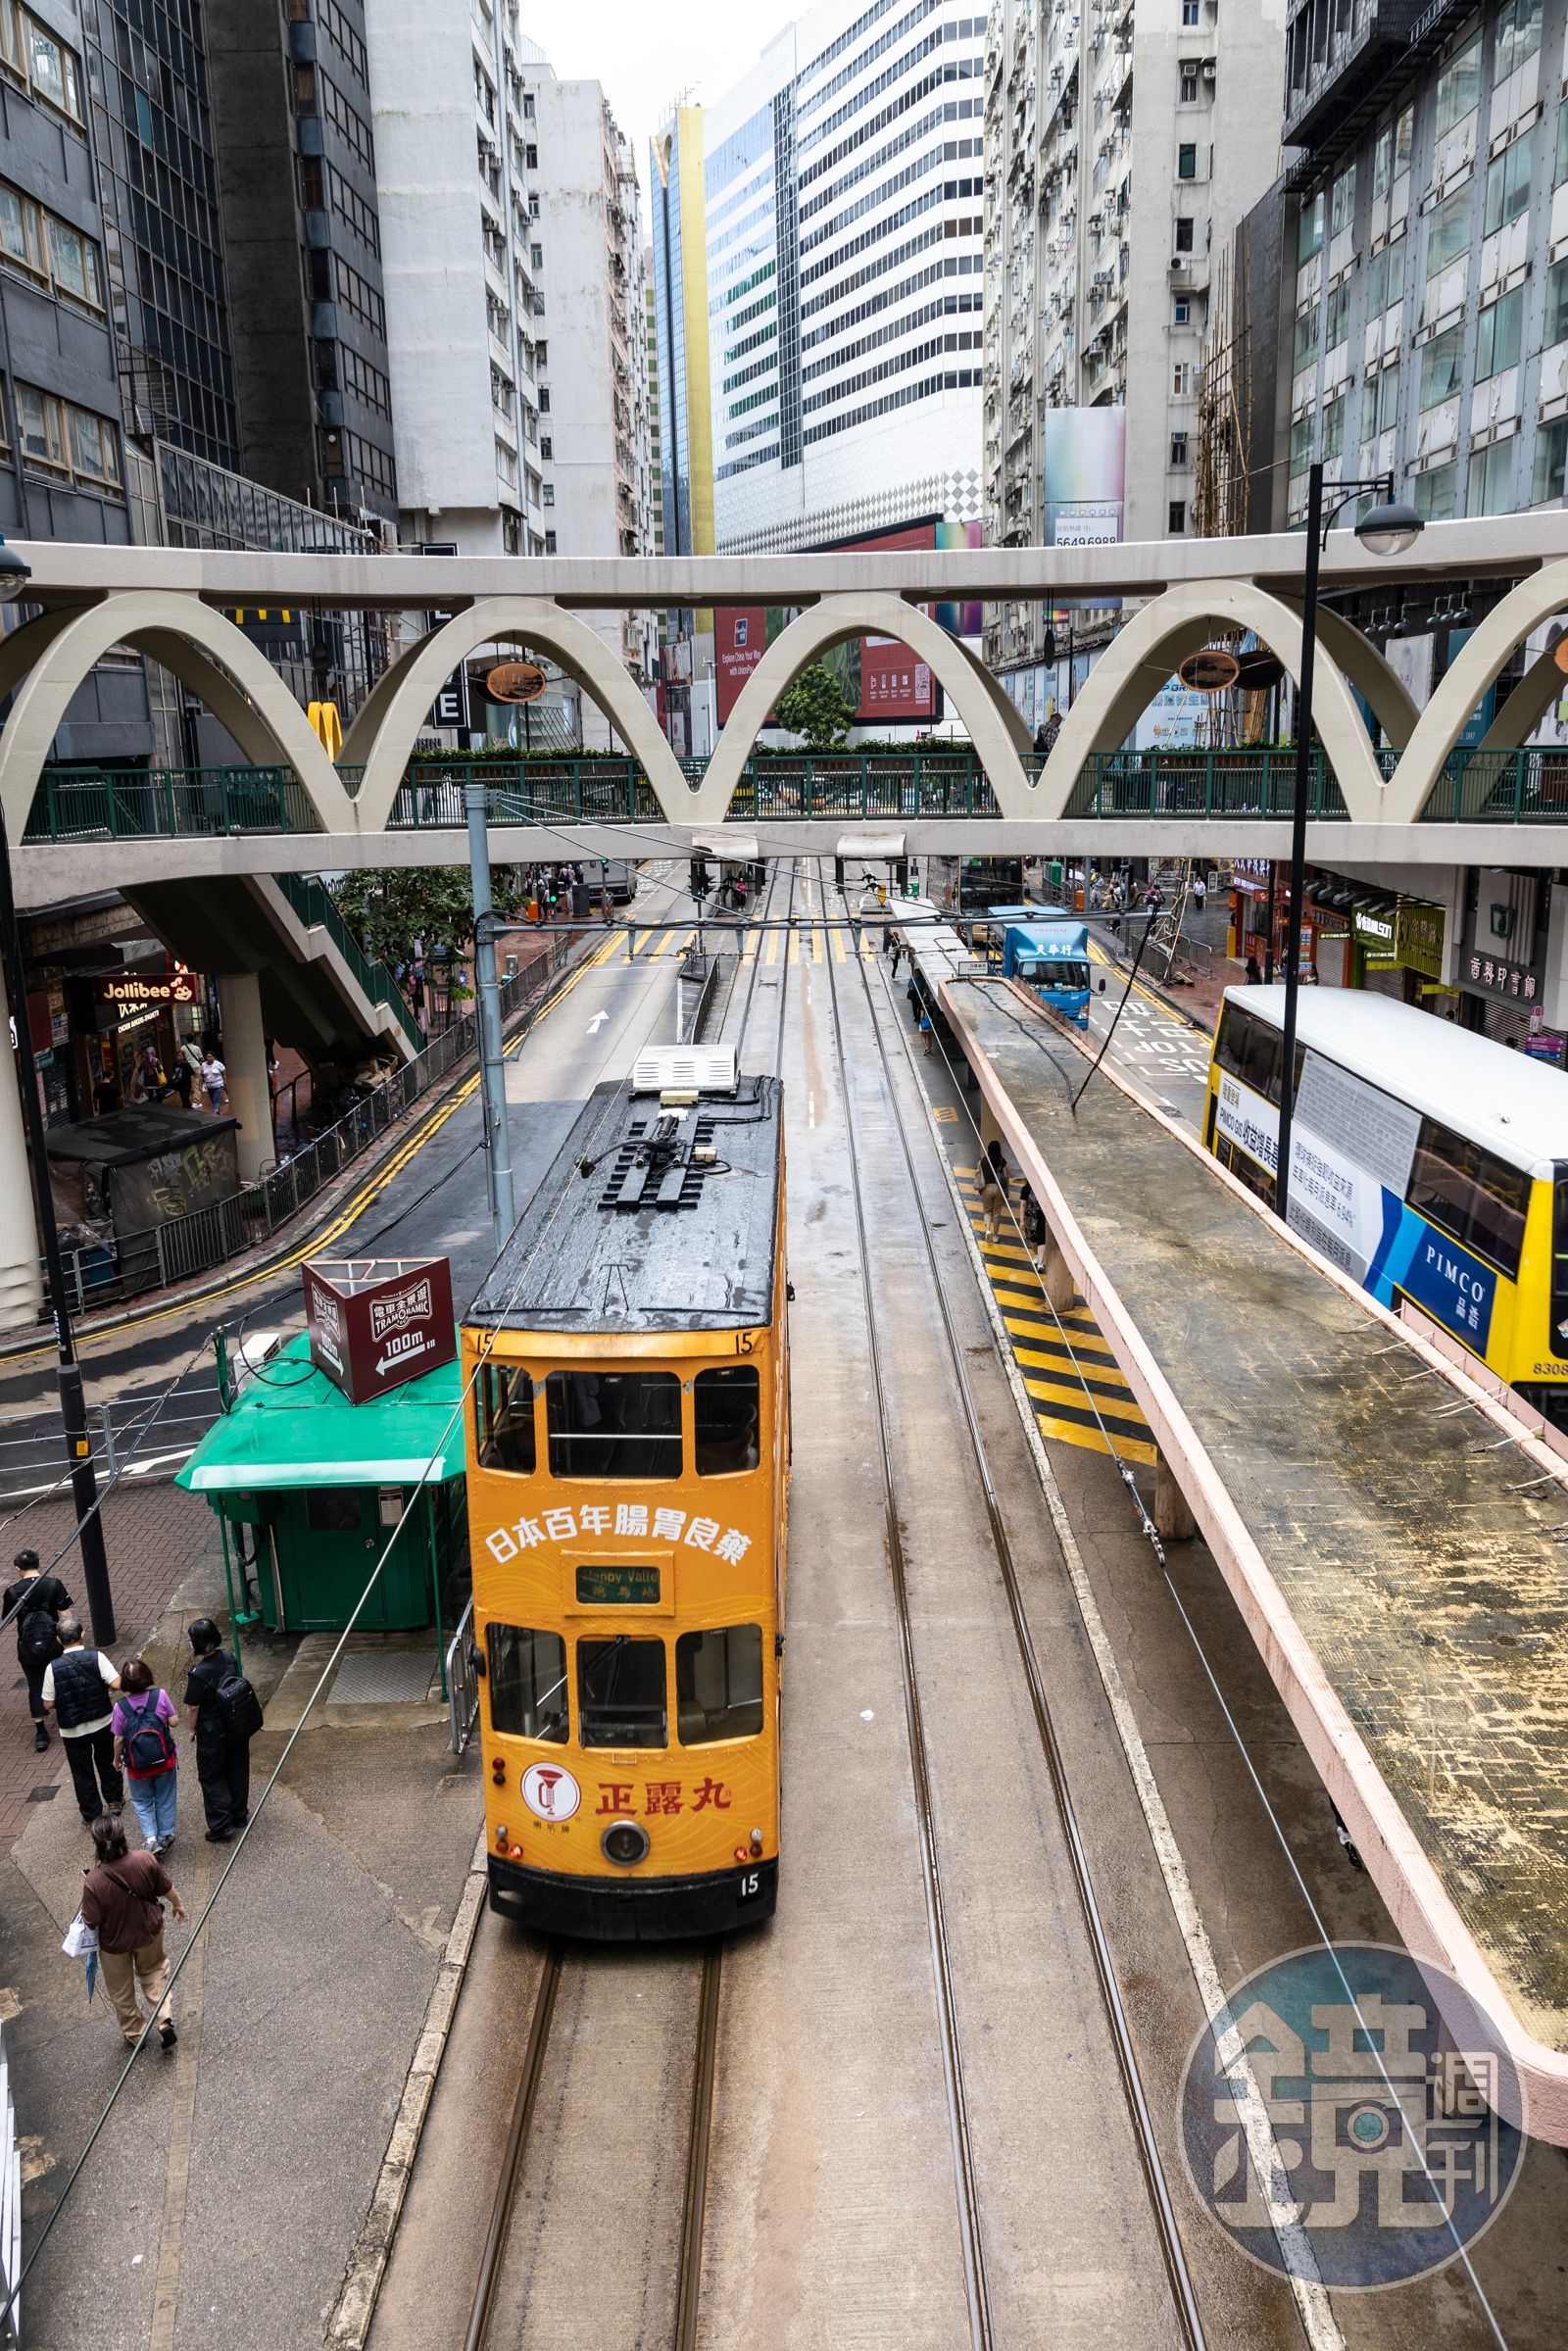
646,55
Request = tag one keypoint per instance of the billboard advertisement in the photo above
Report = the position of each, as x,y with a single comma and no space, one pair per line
1085,475
888,684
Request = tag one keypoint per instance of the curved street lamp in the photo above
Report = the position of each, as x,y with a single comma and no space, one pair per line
1388,528
14,573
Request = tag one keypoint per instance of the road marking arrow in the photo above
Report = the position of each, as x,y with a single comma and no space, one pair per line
597,1023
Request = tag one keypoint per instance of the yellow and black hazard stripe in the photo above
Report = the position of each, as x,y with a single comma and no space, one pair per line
1078,1390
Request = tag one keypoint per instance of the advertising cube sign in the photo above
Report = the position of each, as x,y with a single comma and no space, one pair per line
372,1330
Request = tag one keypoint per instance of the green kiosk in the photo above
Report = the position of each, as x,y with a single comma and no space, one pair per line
308,1484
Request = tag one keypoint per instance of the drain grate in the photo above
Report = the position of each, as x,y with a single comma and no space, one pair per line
387,1677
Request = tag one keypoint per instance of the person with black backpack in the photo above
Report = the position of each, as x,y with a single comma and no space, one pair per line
79,1684
144,1748
34,1603
225,1714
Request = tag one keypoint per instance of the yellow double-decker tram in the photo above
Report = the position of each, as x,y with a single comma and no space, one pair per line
628,1467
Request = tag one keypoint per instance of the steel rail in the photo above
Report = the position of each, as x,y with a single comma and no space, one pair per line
694,2206
1172,2252
544,2009
971,2232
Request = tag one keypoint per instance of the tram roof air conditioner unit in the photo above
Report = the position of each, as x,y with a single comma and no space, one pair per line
684,1069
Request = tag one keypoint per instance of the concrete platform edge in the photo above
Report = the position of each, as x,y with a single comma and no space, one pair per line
349,2324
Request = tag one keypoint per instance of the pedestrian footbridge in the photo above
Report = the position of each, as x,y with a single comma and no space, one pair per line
1395,1556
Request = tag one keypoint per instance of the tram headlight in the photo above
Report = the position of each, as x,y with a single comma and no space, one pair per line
626,1843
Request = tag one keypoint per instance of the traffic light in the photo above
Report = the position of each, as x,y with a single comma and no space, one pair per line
698,877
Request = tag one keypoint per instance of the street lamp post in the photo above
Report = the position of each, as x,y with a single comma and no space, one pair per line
14,577
1387,530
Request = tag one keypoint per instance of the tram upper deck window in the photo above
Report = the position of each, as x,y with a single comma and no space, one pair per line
505,1407
614,1424
527,1677
621,1694
719,1684
1479,1199
727,1414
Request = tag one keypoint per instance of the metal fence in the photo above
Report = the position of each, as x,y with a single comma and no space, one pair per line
136,1436
317,909
124,1266
139,804
462,1683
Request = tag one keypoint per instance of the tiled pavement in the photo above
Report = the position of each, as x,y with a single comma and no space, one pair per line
152,1533
1078,1392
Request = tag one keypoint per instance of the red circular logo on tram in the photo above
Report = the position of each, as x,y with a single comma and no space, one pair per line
550,1792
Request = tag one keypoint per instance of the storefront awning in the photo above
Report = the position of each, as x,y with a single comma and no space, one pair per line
292,1429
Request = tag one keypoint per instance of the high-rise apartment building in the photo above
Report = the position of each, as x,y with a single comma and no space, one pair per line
302,243
1125,139
595,451
1418,248
655,418
680,301
843,195
459,198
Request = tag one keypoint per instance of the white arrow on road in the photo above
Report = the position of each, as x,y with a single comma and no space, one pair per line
597,1023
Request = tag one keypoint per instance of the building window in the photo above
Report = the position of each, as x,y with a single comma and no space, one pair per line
1551,456
1188,92
1556,322
53,70
1490,490
1459,86
1187,160
1560,168
1300,445
1307,337
530,158
547,494
547,449
1178,450
1516,39
1334,429
1341,210
544,400
533,204
1508,183
1432,493
71,442
1498,334
1177,516
1448,229
1441,368
1189,12
1384,278
22,233
1181,311
1379,399
1338,314
536,257
1184,234
1309,230
527,106
550,542
1383,162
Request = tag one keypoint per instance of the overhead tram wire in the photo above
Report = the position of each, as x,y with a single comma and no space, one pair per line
1172,2251
1152,1537
314,1699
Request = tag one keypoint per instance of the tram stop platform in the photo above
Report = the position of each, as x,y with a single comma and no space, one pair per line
1385,1521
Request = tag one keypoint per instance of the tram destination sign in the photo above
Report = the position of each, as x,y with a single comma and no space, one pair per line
374,1324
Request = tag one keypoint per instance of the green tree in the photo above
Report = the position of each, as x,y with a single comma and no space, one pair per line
816,707
388,907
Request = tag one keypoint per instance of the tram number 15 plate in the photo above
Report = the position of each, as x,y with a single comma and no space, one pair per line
751,1885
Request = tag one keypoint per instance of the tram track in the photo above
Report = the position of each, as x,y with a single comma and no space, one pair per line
1178,2277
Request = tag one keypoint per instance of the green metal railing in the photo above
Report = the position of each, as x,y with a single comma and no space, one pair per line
313,903
141,803
1499,787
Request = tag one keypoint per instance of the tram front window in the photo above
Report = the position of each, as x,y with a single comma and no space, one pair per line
726,1405
614,1424
719,1684
621,1694
505,1406
528,1676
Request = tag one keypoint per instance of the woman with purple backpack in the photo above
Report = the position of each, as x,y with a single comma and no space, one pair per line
142,1723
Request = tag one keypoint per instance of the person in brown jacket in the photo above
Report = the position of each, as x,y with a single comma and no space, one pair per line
123,1899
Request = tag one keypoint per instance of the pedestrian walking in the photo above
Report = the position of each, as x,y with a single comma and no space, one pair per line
1033,1219
77,1686
1199,892
34,1603
887,941
1255,972
993,1200
224,1715
123,1902
142,1723
213,1075
898,951
927,1032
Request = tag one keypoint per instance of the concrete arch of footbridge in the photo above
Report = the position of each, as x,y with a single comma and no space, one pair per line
1142,657
1482,659
384,732
49,658
997,728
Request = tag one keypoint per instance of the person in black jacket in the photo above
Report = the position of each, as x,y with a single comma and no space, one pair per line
223,1761
79,1685
44,1600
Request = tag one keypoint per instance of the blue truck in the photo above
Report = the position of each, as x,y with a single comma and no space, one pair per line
1052,961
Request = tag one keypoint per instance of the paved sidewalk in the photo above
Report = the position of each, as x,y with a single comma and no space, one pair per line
153,1535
